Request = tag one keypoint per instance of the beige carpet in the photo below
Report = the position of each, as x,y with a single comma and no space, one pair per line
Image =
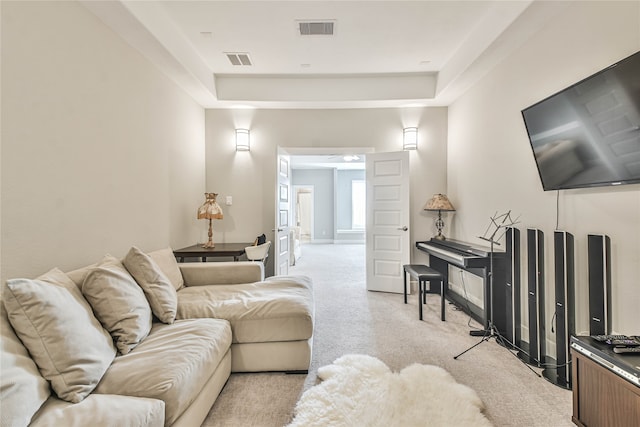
350,320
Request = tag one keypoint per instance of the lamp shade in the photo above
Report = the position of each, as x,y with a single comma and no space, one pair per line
410,139
242,140
439,202
210,208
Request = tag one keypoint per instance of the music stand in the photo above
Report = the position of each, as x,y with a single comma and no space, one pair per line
497,223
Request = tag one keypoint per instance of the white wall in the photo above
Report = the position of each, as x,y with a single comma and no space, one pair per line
250,176
99,150
491,167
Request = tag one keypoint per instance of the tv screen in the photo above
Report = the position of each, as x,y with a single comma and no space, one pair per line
588,134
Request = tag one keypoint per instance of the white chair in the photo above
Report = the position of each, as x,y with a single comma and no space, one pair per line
295,251
259,252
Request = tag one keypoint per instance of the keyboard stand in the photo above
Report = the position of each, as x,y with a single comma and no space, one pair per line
498,222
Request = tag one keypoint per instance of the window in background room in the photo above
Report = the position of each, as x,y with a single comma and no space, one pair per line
358,204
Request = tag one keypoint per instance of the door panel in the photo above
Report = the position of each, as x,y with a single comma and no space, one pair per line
388,237
387,243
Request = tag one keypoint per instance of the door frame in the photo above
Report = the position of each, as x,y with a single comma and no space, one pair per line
302,151
323,151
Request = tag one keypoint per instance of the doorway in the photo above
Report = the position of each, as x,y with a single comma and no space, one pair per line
322,193
316,192
387,235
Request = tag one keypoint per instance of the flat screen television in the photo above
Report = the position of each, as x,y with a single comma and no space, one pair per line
588,135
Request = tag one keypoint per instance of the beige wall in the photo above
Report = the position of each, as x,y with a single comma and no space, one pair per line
491,167
99,150
250,176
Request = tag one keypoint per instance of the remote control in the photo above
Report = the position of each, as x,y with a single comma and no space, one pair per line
630,342
626,349
603,338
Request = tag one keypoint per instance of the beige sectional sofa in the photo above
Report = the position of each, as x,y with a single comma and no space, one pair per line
144,341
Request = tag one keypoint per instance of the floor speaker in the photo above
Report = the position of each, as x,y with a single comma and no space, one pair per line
513,310
564,277
599,257
536,348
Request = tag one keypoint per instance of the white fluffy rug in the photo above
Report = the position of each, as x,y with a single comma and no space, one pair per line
359,390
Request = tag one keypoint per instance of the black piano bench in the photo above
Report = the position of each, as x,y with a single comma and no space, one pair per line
423,274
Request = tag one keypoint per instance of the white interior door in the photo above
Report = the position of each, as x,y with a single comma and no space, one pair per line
387,220
283,215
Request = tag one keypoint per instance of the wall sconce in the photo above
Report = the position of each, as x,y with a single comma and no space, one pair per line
410,139
242,140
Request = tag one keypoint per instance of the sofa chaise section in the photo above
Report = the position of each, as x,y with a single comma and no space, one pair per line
271,320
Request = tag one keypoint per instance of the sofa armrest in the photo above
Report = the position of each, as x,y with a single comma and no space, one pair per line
104,410
221,273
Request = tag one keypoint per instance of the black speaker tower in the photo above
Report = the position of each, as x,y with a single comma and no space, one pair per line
513,330
535,299
599,248
565,285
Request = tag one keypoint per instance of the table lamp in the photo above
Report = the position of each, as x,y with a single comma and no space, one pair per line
210,210
439,202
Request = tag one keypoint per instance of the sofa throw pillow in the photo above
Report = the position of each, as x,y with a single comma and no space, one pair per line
169,266
118,303
159,291
23,389
58,328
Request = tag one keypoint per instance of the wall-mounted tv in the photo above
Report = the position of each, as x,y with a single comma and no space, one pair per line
588,134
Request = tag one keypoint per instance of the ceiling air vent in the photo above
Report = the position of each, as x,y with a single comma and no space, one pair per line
316,28
239,58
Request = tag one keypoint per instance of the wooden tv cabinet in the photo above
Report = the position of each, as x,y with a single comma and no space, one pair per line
601,395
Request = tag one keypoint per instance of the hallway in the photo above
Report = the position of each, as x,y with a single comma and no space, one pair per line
325,262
